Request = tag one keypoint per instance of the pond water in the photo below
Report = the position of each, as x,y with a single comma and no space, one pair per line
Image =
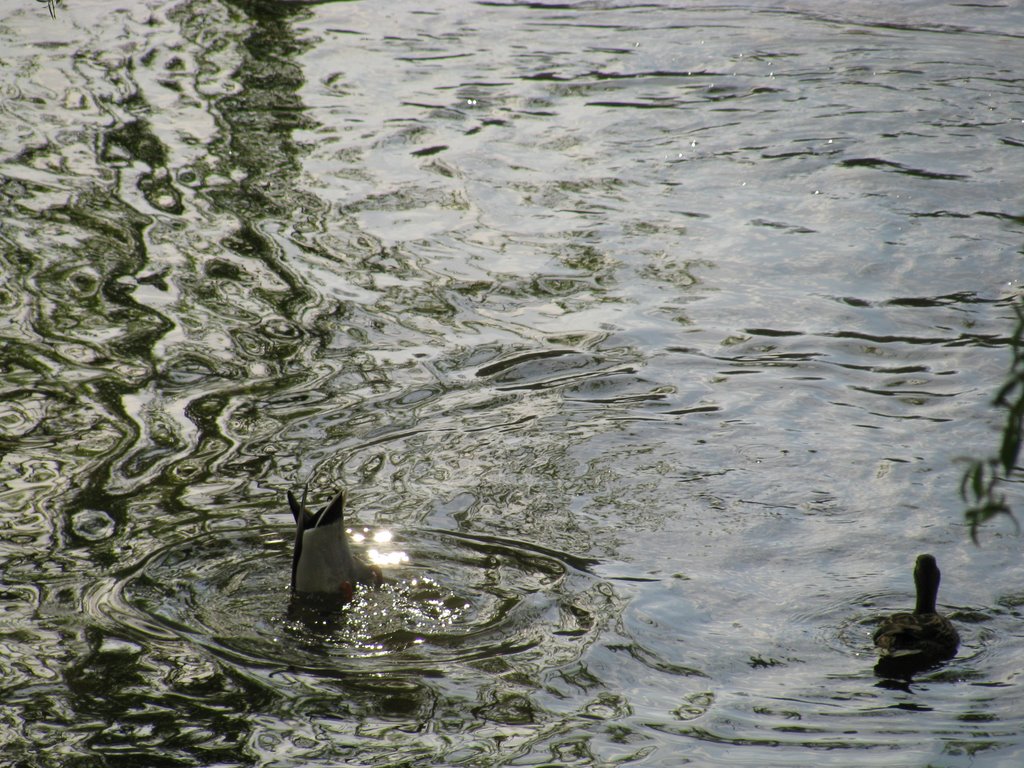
649,340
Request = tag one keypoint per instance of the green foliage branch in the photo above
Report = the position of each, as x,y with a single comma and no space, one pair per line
51,5
980,485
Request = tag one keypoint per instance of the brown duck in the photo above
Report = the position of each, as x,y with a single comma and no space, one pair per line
912,642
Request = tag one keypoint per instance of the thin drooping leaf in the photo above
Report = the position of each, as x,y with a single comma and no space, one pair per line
979,486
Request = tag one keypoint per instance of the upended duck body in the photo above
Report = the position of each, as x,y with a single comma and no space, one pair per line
322,563
912,642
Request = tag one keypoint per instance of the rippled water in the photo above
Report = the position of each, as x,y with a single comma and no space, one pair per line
654,336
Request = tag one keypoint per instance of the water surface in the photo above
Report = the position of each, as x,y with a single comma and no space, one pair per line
654,337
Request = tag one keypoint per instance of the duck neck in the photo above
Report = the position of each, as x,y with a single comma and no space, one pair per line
927,592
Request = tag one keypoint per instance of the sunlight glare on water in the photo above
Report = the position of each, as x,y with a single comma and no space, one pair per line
383,558
649,342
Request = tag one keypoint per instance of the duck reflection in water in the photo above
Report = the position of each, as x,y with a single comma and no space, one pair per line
909,643
324,570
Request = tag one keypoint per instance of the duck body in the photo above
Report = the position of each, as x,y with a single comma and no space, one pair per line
912,642
322,562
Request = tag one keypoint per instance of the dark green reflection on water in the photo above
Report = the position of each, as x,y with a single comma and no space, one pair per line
176,370
517,338
260,119
159,705
119,392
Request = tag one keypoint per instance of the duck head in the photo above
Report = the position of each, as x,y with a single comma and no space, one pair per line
322,563
926,580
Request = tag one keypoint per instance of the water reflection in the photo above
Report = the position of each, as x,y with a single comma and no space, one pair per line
446,598
644,334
